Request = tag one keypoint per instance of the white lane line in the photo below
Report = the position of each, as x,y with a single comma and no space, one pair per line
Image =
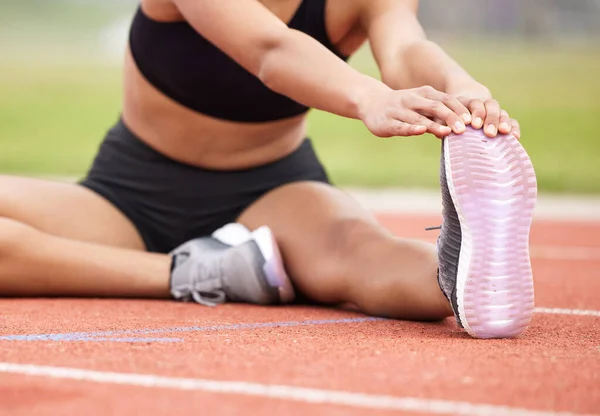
281,392
568,208
561,311
566,253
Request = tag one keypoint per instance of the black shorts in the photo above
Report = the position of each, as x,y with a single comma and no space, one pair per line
171,202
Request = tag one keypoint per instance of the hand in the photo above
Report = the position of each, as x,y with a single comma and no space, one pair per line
412,112
486,112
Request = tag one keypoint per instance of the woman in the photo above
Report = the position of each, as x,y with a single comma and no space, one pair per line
213,133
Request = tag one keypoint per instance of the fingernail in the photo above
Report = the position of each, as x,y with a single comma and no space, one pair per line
477,123
491,129
503,127
459,127
466,118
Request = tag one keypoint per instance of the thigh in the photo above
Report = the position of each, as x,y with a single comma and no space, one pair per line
316,225
66,210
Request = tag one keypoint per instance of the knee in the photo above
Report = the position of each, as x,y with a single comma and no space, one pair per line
348,243
14,236
331,258
349,236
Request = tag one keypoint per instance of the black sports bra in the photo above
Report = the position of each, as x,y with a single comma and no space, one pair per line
189,69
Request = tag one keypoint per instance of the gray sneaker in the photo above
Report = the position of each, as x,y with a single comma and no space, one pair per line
488,197
211,272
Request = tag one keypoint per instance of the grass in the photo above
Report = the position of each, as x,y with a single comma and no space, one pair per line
53,117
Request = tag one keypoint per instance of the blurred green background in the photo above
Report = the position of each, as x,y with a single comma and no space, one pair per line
60,89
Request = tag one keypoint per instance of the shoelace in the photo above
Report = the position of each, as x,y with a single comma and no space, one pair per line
205,288
437,227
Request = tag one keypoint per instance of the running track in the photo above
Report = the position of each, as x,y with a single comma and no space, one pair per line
98,357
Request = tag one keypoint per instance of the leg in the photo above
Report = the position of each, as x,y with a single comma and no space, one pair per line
336,252
60,239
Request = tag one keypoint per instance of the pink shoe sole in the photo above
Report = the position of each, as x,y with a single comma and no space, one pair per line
493,187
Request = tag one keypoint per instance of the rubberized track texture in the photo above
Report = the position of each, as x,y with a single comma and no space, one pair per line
97,357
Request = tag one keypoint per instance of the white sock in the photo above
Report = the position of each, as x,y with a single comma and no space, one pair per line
232,234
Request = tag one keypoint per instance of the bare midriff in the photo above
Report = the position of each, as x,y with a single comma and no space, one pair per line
199,140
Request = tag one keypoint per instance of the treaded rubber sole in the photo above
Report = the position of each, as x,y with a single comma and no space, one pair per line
273,267
493,187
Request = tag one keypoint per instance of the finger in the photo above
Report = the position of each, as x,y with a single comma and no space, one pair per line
416,130
437,109
449,101
492,118
505,123
401,128
515,129
435,127
477,109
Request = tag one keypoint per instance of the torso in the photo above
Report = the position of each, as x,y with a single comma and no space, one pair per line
200,140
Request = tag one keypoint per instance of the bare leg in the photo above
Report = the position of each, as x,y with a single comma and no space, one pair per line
335,252
33,263
62,239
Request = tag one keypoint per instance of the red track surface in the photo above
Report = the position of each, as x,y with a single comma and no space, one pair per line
553,367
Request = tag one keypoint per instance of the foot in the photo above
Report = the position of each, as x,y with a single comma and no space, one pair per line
488,194
231,265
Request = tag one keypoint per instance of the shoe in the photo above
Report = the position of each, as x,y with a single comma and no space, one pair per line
489,193
231,265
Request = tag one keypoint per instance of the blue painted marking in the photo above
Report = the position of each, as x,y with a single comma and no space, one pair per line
149,340
117,336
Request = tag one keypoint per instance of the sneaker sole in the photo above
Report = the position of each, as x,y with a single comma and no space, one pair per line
493,187
273,267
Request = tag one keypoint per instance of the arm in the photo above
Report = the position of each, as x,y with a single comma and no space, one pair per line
294,64
407,59
287,61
